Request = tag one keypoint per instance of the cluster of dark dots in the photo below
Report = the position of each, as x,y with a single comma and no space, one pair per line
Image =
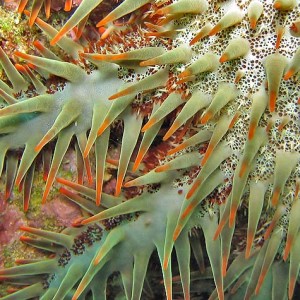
111,223
86,238
64,258
132,192
219,196
47,280
153,188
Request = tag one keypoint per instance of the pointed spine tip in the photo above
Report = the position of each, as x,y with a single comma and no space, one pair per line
215,30
148,125
288,74
275,197
223,58
253,23
176,232
102,128
206,117
287,249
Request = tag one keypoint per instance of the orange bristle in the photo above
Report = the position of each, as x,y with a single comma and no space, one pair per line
168,292
47,5
25,238
297,189
46,191
128,184
197,38
22,6
277,5
224,265
38,45
150,62
26,12
102,128
165,263
178,148
186,79
195,186
243,169
250,238
99,190
172,129
289,74
283,123
215,30
106,20
33,16
260,281
43,142
185,73
138,159
220,290
207,154
79,290
101,30
234,119
206,117
278,40
272,101
232,215
161,168
292,284
253,23
25,228
223,58
59,35
88,170
21,55
270,229
20,185
177,232
7,195
20,68
87,149
113,162
148,125
119,183
275,197
219,228
26,203
121,56
121,94
96,57
187,211
68,5
88,220
287,249
252,130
